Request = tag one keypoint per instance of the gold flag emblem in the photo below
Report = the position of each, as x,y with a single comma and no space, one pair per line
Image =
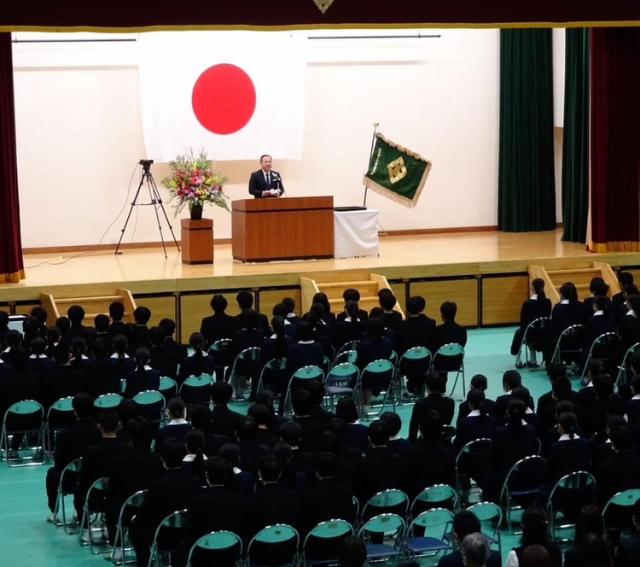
397,170
323,5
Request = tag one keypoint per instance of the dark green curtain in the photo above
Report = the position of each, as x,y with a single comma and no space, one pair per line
575,148
526,192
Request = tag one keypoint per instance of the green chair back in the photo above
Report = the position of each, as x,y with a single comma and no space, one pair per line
434,523
26,407
168,387
346,356
384,524
389,498
63,404
278,533
107,401
332,529
217,541
201,381
437,496
342,373
308,373
148,397
380,366
417,353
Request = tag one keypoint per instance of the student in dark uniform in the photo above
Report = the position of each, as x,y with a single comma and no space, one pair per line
538,305
219,325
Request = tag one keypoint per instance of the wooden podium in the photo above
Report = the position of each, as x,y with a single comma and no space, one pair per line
197,241
282,229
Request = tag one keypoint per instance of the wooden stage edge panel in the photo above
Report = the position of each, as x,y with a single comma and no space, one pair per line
484,272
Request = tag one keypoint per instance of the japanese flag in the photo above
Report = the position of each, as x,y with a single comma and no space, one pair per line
234,94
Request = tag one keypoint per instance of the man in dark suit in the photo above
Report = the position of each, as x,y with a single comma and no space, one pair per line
71,443
449,331
435,400
380,468
223,420
219,325
273,502
417,329
245,303
429,461
306,351
465,523
265,182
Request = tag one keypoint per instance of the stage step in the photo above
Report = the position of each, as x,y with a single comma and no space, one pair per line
580,277
92,305
368,292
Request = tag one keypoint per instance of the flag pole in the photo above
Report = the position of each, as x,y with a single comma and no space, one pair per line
373,142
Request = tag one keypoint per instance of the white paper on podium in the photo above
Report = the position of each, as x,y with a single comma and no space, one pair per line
355,233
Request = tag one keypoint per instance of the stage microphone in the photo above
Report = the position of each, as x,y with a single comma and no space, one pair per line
276,176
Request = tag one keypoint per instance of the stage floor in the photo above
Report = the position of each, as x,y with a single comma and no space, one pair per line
146,270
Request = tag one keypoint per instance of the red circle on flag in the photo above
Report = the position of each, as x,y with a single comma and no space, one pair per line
223,98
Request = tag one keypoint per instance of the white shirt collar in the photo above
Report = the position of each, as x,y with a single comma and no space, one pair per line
534,297
567,437
203,353
34,356
564,302
631,312
190,458
474,413
291,316
287,322
528,411
310,342
179,421
116,355
598,313
8,349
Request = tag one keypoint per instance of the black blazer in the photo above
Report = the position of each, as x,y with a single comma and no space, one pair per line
274,504
428,462
533,309
325,501
258,183
218,508
224,421
416,331
628,554
450,332
218,326
444,405
565,457
378,470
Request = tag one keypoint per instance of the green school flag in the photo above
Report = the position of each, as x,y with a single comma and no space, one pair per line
396,172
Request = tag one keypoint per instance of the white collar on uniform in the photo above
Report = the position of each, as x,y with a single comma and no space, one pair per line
534,297
474,413
567,437
38,356
564,302
291,315
630,312
191,457
179,421
636,397
598,313
116,355
310,342
528,411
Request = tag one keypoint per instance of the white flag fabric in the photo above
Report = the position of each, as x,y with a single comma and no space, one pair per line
235,95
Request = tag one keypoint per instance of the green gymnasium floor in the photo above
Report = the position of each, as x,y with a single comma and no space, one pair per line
27,540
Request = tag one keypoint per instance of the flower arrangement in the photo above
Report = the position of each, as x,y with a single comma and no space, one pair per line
193,182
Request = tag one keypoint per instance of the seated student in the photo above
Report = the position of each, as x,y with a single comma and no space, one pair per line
327,499
219,325
535,531
54,341
429,461
435,400
523,394
71,443
569,453
618,299
538,305
132,471
633,405
38,366
564,314
251,450
628,552
178,426
512,442
224,421
449,331
547,403
101,324
478,424
350,327
323,332
171,492
465,523
103,377
217,507
593,404
279,310
117,326
264,418
417,329
478,382
175,351
351,294
619,470
389,316
200,362
289,305
629,323
258,320
273,503
328,316
305,351
98,460
139,333
143,377
375,344
10,386
77,329
589,530
276,345
380,468
355,434
240,481
598,288
303,402
195,457
397,443
510,379
4,326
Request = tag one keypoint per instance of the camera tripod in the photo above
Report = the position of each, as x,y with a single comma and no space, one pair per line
155,200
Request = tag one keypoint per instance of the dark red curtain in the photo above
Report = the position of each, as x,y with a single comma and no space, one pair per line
11,268
202,13
615,139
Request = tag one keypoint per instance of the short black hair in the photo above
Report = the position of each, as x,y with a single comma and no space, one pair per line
101,323
465,523
264,156
219,303
387,300
244,299
351,294
378,432
352,552
168,326
414,305
393,421
302,401
172,453
176,407
326,464
221,393
261,413
435,382
109,421
290,432
270,469
430,424
75,314
479,382
247,429
139,432
116,310
141,315
40,313
82,405
511,379
448,310
289,304
216,470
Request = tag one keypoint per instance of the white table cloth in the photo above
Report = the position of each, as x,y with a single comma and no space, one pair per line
355,233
